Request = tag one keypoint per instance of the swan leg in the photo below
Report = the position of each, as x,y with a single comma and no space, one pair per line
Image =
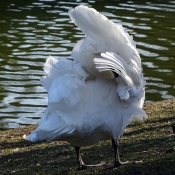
81,163
115,144
117,162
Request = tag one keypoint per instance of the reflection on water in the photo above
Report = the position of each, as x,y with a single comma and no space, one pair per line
32,30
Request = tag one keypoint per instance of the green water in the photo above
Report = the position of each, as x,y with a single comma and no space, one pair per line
31,30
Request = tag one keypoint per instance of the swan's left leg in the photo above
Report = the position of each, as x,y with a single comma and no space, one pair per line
117,162
81,163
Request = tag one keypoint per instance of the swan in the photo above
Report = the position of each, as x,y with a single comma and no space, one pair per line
97,94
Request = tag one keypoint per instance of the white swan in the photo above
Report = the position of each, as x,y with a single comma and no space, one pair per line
95,96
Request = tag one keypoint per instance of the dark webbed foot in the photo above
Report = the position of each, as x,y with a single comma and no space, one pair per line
83,166
117,164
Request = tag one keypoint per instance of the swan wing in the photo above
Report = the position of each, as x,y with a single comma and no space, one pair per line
102,35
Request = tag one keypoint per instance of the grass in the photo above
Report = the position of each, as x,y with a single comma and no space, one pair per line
151,142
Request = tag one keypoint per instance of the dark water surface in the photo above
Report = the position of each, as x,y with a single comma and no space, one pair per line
33,29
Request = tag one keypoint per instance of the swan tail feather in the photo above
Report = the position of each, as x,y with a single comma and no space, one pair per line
54,127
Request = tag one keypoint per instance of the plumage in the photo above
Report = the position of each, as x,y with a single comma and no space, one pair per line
87,103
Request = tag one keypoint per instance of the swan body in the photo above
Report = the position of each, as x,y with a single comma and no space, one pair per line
87,102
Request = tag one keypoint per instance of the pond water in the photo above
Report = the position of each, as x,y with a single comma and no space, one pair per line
32,30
